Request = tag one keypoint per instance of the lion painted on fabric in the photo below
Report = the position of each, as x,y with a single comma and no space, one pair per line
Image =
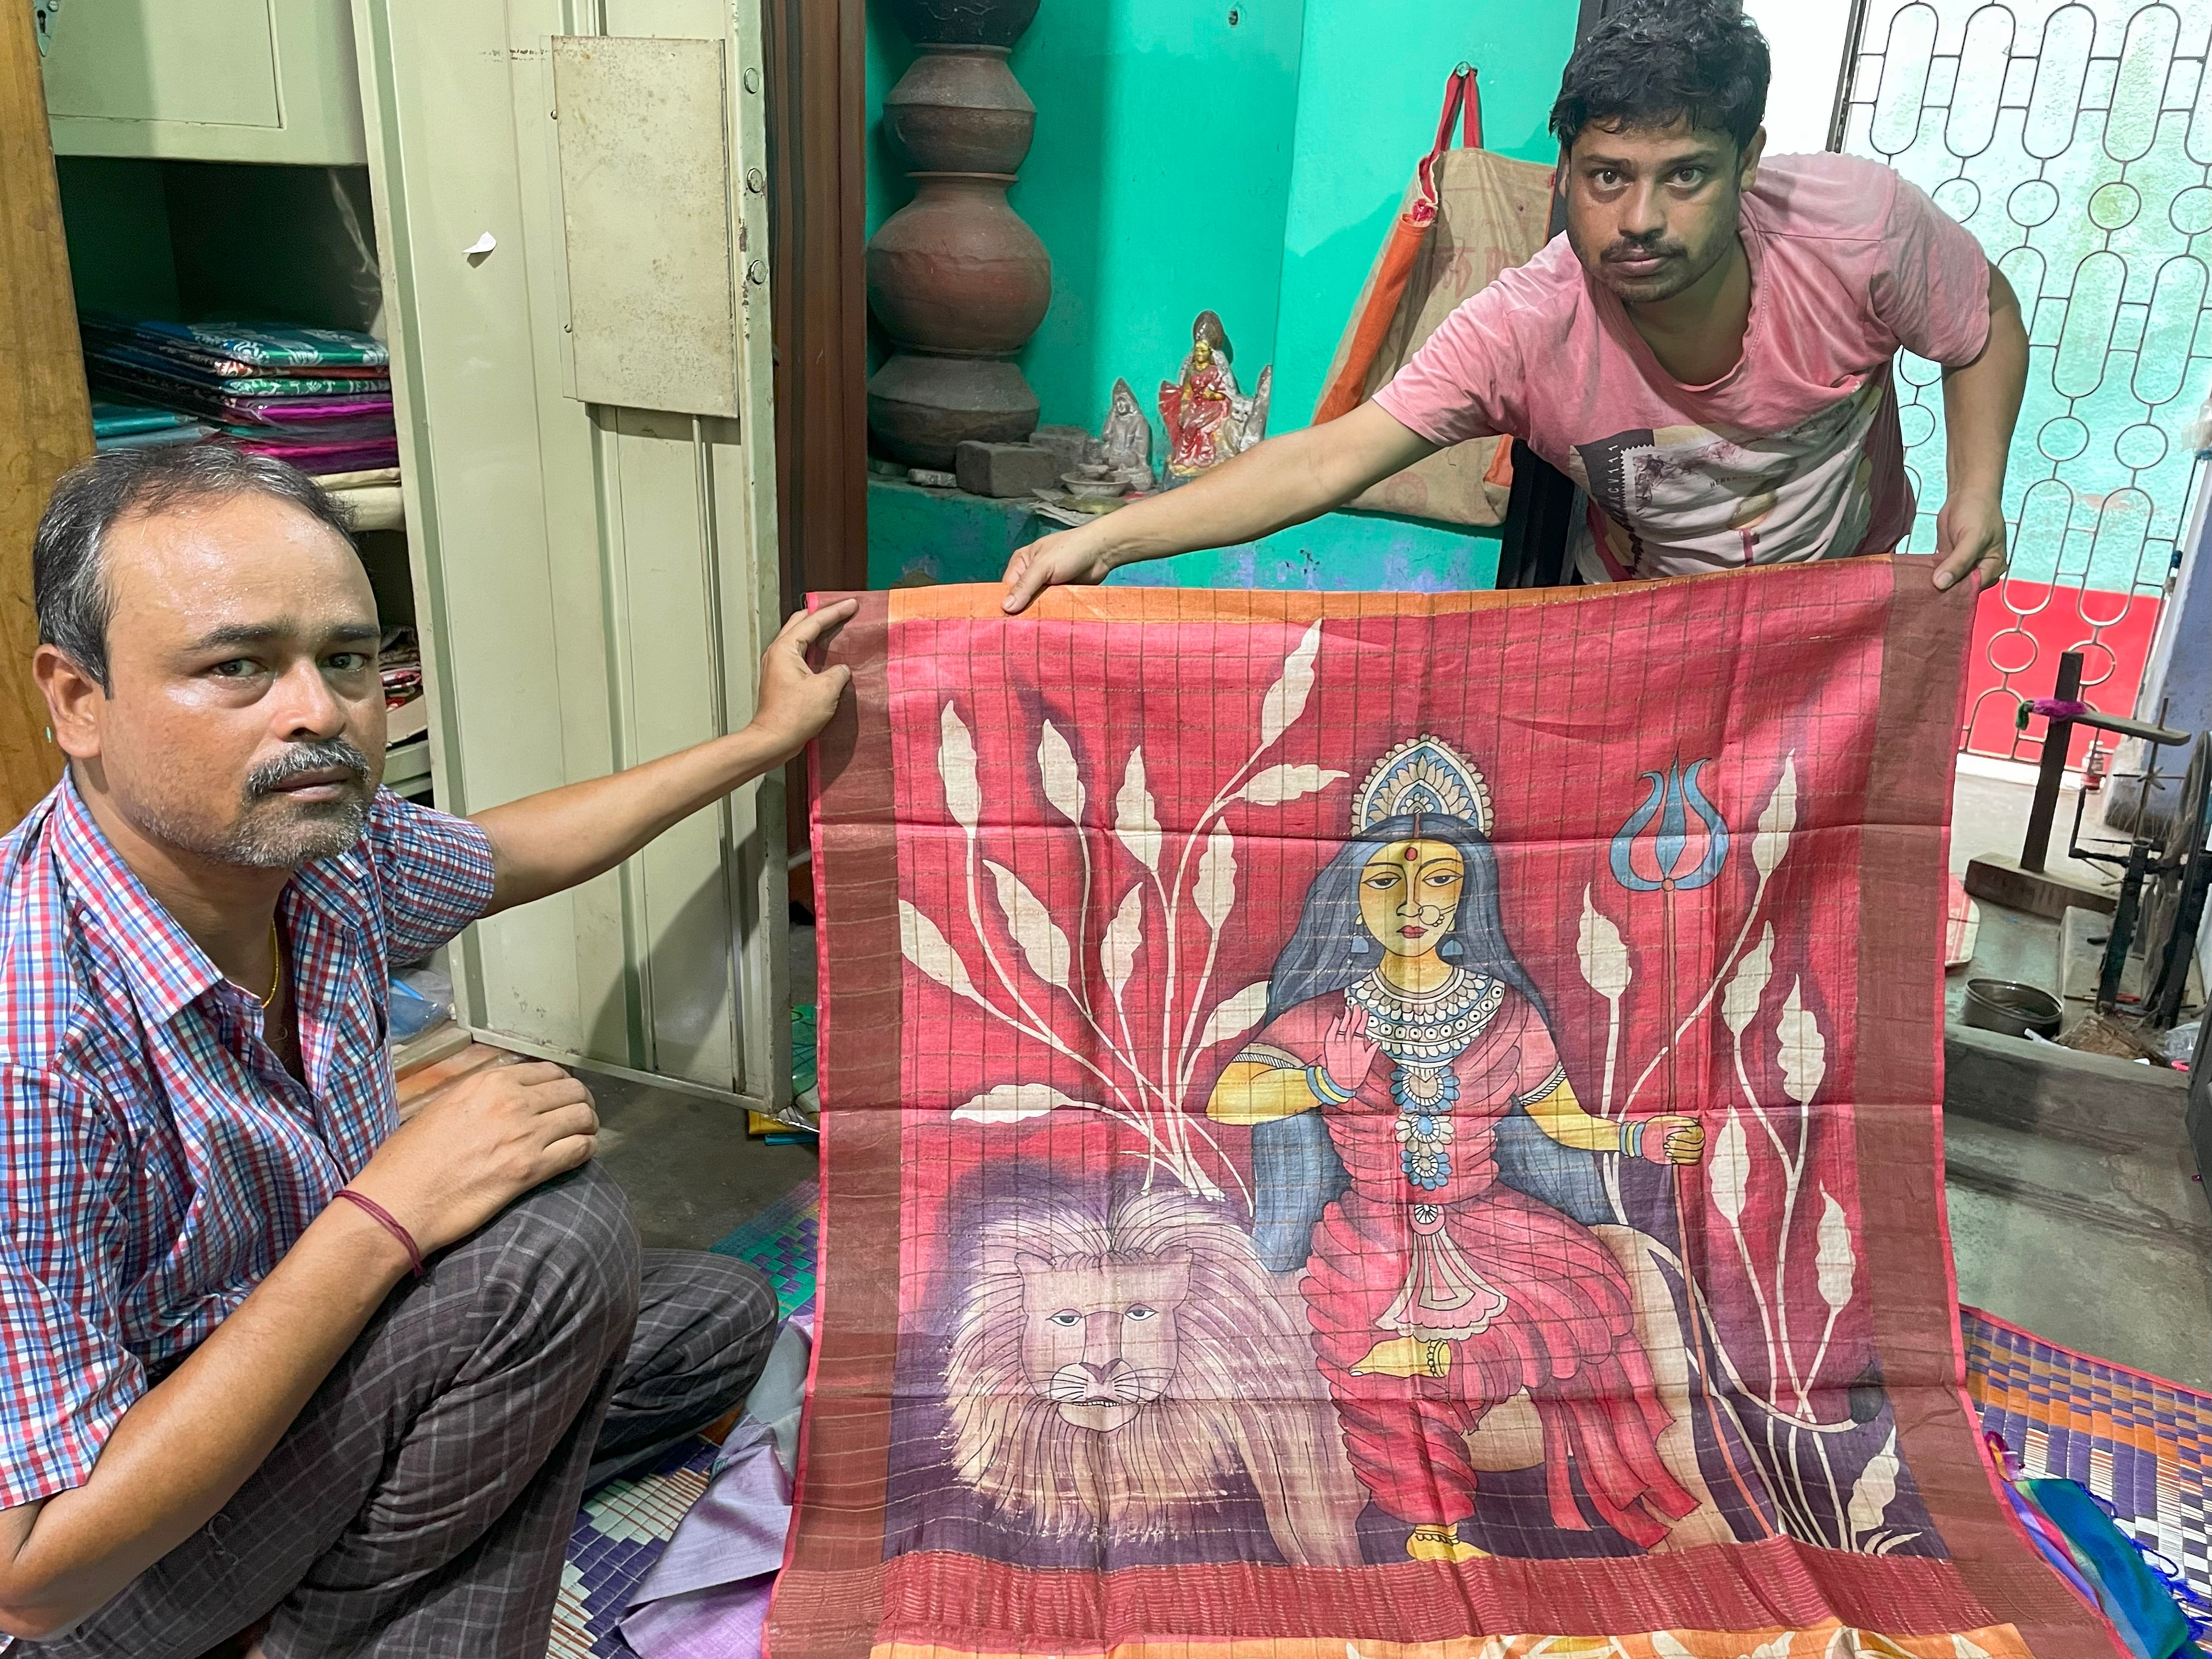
1118,1354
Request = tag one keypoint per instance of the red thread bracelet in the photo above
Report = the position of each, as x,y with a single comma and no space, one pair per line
390,1223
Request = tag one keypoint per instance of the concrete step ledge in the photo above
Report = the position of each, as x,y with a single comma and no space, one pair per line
2149,1194
2091,1100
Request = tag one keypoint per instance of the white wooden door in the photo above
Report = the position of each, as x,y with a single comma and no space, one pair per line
570,210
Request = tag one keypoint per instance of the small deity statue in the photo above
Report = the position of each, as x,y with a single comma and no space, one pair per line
1208,420
1128,440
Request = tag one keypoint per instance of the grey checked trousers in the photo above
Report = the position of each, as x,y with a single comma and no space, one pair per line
420,1506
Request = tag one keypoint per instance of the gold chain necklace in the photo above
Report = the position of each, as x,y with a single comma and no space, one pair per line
276,978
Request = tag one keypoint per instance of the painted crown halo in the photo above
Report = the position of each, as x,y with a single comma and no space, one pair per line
1422,775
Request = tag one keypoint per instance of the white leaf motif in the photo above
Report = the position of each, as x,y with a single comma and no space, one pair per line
1280,783
1011,1103
1834,1262
1731,1167
1233,1017
1740,1002
1777,820
928,950
1286,698
955,764
1664,1646
1215,894
1031,924
1139,831
1804,1050
1604,958
1117,951
1872,1491
1960,1647
1896,1540
1063,781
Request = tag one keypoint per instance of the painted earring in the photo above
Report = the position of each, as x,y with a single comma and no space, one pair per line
1359,945
1448,950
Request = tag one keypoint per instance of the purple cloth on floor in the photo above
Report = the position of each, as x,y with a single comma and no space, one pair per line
706,1596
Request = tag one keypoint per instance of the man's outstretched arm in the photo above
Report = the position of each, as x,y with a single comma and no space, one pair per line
1981,403
1283,482
547,842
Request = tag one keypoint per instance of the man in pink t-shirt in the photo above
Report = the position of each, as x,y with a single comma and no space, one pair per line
1706,352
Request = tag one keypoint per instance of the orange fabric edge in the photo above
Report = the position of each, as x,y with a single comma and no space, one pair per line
979,601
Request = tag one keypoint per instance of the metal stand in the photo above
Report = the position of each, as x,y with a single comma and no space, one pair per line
2057,738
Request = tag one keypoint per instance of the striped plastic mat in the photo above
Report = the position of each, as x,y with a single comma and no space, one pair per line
2142,1444
624,1526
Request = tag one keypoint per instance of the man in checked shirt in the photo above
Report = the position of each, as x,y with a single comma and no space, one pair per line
229,1389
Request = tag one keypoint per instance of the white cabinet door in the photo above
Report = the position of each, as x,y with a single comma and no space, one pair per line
590,484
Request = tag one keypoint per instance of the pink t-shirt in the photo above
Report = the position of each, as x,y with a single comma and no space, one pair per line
1794,452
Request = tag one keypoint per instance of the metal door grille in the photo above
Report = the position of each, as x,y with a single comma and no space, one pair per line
2074,141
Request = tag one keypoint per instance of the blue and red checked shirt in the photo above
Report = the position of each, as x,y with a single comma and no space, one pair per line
156,1159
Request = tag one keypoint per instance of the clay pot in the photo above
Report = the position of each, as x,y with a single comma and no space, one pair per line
956,270
958,280
922,409
961,111
965,22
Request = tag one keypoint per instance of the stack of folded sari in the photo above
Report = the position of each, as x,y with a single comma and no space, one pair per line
318,397
141,426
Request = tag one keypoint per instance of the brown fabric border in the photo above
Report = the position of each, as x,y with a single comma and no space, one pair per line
1899,1035
828,1599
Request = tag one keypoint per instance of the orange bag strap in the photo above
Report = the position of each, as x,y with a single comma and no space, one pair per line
1462,103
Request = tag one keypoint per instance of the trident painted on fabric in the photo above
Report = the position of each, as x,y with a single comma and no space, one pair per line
1377,1093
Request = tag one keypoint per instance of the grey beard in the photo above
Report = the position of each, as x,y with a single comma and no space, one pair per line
264,837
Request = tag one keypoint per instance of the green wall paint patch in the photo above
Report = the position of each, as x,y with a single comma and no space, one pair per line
943,536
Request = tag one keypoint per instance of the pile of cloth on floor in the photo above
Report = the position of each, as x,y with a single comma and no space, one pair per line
706,1595
318,397
2155,1612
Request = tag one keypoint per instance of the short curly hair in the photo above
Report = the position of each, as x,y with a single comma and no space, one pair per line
1655,61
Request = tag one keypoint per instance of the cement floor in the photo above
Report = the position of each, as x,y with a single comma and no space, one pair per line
2102,1243
2103,1248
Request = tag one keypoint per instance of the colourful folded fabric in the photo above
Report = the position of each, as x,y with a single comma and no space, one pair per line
135,373
161,438
308,412
2126,1590
284,344
115,419
312,432
319,458
197,361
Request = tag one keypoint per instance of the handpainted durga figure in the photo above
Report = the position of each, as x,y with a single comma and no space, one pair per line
1436,1293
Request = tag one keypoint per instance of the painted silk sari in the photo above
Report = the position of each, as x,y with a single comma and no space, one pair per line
1362,1124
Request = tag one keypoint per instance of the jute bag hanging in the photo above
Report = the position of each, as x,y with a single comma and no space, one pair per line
1468,215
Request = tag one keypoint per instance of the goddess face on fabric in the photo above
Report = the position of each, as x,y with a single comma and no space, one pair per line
1436,1293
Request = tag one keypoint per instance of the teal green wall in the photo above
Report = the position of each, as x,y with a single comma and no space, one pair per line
1370,80
1158,180
942,536
1184,162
